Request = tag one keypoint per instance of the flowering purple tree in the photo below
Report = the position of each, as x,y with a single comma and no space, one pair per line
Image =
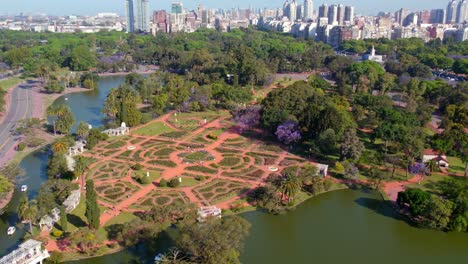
288,132
419,168
247,117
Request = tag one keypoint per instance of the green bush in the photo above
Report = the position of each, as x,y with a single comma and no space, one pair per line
137,166
21,146
145,180
162,183
212,136
57,233
174,183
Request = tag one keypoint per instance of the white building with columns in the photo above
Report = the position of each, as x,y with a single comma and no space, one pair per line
29,252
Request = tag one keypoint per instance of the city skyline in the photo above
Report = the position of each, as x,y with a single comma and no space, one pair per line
89,7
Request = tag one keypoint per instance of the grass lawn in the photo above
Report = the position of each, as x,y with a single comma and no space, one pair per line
153,129
153,175
456,165
77,218
429,182
123,217
7,83
188,182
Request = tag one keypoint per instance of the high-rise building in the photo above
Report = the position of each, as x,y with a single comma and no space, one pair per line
402,16
286,8
451,13
142,17
425,17
323,11
130,16
293,11
299,12
349,14
177,8
308,10
341,14
437,16
333,15
462,11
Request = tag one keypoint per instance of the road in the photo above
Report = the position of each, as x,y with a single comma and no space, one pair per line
20,107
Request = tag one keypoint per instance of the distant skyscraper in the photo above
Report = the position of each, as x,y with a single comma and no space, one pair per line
177,8
462,11
341,14
437,16
299,11
451,13
130,17
425,17
333,15
308,10
143,16
349,14
402,16
293,10
323,11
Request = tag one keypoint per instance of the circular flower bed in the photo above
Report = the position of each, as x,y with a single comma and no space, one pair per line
273,169
196,156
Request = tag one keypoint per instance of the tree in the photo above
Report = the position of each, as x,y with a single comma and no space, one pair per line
288,132
60,146
159,103
57,166
416,199
94,137
82,130
215,241
350,170
11,171
92,209
81,165
63,219
53,193
62,118
327,141
352,147
289,186
438,212
27,211
81,59
5,184
121,104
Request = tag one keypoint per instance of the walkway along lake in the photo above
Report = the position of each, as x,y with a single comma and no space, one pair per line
339,227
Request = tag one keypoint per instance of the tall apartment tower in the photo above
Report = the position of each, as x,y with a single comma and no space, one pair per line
293,11
462,11
143,16
333,15
323,11
437,16
308,10
349,14
341,14
130,16
451,13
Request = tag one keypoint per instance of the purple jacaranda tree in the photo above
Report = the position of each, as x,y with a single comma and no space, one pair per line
419,168
247,117
288,132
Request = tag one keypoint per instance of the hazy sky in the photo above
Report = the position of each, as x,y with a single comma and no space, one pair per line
90,7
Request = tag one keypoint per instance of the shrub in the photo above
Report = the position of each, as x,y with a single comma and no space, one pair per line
57,233
145,180
162,183
212,136
137,166
21,146
174,183
328,184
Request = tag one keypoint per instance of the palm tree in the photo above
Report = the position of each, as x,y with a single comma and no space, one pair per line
82,130
60,147
289,186
27,211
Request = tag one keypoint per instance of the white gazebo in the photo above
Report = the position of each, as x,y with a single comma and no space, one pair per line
205,212
72,201
322,170
77,149
120,131
29,252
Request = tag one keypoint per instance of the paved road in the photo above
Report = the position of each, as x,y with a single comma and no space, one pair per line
21,107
